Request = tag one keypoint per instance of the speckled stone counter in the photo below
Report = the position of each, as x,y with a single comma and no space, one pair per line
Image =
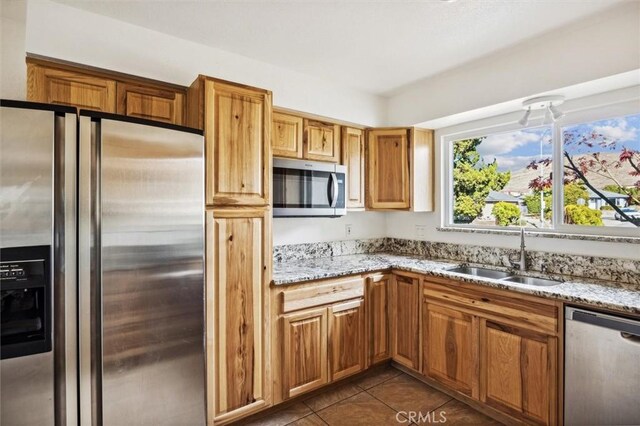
605,294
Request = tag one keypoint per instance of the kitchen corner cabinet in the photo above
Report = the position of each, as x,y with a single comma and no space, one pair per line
346,339
287,136
238,250
150,103
378,328
405,317
63,87
321,141
237,128
353,158
400,169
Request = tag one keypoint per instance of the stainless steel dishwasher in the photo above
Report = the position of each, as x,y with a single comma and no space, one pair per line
602,369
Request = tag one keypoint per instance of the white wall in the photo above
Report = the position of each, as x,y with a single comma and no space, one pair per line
13,71
403,225
597,47
75,35
305,230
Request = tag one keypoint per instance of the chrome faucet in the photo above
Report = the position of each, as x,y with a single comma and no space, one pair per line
522,263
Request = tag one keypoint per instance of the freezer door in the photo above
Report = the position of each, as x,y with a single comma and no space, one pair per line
37,212
142,278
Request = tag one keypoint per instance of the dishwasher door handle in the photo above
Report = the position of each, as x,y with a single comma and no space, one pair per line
623,325
630,337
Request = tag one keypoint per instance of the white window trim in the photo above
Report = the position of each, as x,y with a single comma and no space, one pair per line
578,116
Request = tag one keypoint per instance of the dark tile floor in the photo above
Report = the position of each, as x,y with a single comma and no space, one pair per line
385,396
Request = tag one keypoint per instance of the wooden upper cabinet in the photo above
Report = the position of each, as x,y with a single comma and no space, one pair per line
151,103
388,169
406,305
377,323
520,372
61,87
450,347
321,141
400,169
237,130
353,158
304,356
287,139
346,339
238,271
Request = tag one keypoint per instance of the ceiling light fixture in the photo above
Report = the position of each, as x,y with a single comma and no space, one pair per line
548,103
525,119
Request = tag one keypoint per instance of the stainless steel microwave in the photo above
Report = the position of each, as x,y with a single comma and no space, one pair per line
308,188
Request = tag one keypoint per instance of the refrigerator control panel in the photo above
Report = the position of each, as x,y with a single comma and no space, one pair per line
22,270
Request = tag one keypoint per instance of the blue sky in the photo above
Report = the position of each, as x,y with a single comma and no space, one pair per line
514,150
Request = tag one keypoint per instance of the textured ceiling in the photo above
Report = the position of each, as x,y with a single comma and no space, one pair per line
374,46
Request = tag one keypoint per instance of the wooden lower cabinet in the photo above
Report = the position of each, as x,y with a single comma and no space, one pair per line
378,329
450,347
304,357
346,339
405,317
237,271
519,372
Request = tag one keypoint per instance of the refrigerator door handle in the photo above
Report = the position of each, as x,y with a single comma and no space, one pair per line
89,274
65,290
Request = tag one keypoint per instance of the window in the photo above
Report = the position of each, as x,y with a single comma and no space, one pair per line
602,173
493,176
504,178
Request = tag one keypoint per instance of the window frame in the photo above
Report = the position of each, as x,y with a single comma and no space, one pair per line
575,117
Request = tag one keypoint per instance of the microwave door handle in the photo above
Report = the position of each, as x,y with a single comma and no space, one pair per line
334,190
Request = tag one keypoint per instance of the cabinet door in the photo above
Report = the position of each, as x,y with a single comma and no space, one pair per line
406,295
287,136
519,372
377,301
321,141
353,158
388,169
238,138
346,339
450,340
238,272
304,358
150,103
54,86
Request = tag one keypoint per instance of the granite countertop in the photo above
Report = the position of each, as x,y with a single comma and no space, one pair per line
604,294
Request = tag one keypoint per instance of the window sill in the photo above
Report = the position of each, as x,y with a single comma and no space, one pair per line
544,234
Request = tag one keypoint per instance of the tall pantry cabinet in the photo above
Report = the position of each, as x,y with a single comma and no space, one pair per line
236,120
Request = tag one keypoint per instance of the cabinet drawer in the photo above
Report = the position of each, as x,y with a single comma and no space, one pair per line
322,294
509,307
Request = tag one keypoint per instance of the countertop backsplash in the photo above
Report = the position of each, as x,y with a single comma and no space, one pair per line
602,268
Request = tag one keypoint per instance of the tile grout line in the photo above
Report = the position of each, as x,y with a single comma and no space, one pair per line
387,405
334,403
357,393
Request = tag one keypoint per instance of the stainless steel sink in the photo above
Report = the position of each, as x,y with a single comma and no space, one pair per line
531,281
502,276
480,272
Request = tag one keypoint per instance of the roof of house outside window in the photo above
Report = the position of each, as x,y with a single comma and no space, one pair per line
496,197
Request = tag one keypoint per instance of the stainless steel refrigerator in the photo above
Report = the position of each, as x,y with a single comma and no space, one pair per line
102,255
